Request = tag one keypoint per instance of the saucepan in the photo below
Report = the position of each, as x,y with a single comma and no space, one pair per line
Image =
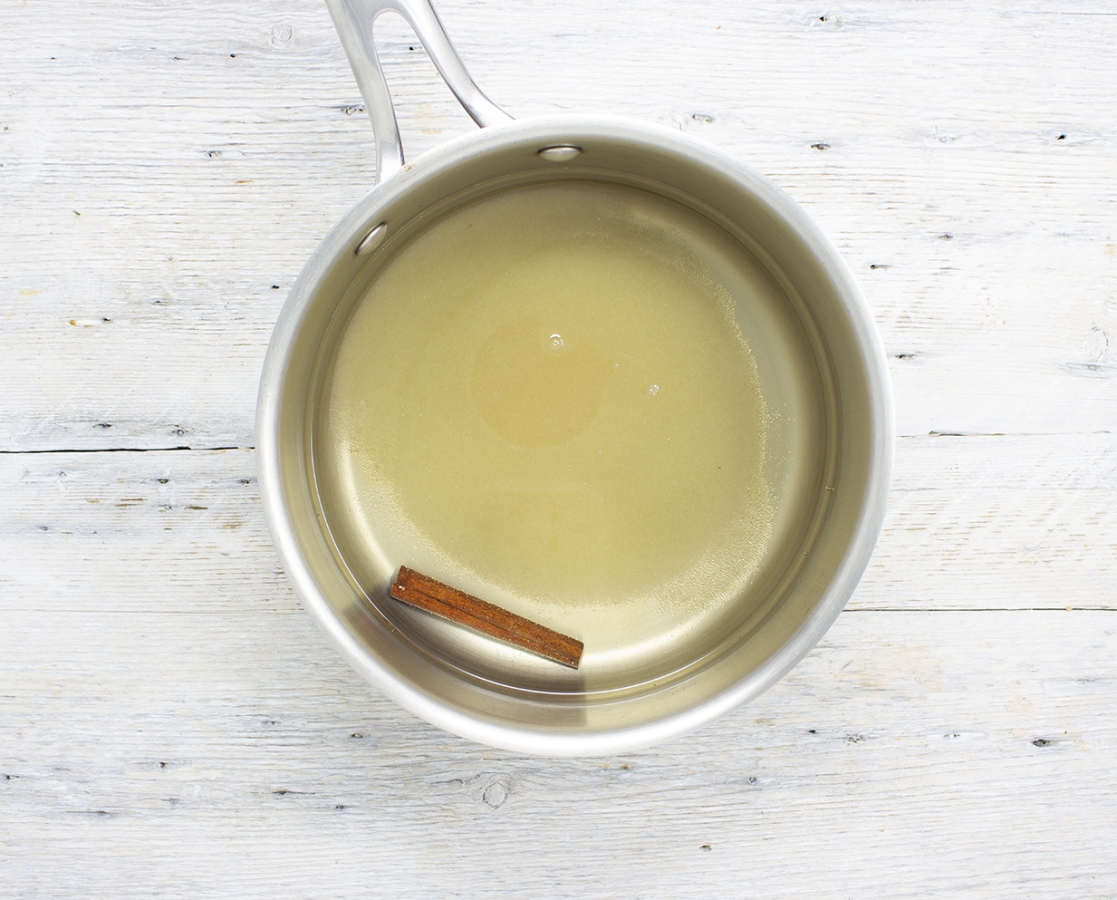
594,372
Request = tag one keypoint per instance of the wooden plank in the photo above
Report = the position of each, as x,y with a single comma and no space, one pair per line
128,531
998,521
234,754
973,523
166,174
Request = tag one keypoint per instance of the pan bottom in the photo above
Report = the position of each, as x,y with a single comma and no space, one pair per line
586,403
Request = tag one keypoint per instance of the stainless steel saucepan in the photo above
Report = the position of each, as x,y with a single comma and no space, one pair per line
649,672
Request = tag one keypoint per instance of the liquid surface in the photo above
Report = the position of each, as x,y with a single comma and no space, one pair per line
548,392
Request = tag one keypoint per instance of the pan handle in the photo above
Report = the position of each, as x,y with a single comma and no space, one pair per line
354,20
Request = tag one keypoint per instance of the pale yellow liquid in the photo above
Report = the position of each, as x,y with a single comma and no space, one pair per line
547,393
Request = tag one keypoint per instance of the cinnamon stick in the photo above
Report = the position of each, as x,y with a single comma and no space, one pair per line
423,592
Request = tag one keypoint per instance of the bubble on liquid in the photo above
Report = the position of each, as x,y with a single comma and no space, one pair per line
556,341
653,390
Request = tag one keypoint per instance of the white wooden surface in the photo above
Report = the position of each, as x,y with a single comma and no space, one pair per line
171,722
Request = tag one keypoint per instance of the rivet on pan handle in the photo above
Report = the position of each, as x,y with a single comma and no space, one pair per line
354,21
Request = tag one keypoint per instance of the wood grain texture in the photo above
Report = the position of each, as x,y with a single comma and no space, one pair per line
164,176
973,523
171,722
947,754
